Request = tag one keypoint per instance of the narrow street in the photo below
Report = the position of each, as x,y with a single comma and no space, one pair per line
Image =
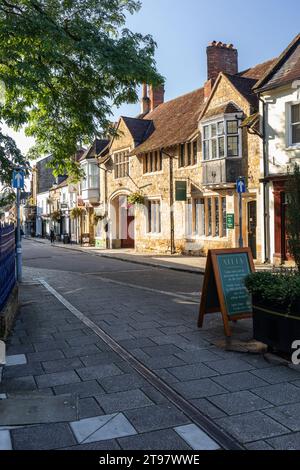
122,339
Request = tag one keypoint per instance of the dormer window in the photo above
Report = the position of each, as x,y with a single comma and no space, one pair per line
221,139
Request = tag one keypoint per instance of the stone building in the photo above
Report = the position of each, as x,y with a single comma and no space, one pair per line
181,159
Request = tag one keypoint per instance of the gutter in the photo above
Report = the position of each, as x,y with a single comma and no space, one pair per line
264,181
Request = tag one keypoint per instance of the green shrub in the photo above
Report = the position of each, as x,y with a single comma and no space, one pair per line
279,290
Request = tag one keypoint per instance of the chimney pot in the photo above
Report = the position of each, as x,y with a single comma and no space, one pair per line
221,57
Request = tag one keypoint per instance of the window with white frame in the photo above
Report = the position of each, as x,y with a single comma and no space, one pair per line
295,124
154,216
91,177
121,161
221,139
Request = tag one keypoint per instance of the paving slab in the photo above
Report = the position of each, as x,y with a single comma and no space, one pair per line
191,372
208,409
97,372
120,384
156,417
88,408
250,427
239,381
277,374
20,383
196,438
5,441
259,445
279,394
57,378
38,410
239,402
82,389
43,437
287,415
122,401
228,367
100,445
102,428
15,360
199,388
289,442
166,439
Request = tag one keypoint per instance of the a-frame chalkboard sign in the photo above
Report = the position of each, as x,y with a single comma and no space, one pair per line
224,290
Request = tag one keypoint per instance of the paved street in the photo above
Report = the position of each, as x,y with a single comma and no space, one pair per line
119,342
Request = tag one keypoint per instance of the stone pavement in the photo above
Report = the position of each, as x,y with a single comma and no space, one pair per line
190,264
52,353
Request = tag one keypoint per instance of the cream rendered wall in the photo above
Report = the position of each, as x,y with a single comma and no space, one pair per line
280,156
278,150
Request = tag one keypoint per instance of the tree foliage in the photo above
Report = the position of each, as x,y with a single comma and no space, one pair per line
64,64
293,214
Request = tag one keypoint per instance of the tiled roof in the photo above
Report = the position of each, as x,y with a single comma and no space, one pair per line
244,86
226,108
174,122
285,70
140,129
97,146
259,70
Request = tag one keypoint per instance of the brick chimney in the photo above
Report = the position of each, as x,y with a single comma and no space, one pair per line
157,96
221,58
145,101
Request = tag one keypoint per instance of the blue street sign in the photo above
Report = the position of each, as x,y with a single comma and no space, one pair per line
241,186
18,179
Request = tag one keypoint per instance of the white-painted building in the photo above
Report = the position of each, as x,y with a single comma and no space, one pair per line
279,91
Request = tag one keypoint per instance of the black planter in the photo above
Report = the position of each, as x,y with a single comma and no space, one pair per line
274,328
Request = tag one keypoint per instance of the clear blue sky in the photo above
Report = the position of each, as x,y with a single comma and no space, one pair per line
259,29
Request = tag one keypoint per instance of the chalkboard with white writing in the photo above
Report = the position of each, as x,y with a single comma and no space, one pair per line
224,288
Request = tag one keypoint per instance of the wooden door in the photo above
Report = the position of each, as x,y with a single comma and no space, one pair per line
252,227
128,241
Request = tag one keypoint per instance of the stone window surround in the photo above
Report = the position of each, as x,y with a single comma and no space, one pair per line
148,201
206,236
194,160
117,152
144,162
289,144
215,120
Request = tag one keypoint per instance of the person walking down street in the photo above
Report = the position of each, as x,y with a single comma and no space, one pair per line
52,236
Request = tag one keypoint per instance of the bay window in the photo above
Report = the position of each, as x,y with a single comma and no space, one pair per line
221,139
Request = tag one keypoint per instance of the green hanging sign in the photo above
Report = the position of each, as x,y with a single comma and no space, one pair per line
180,190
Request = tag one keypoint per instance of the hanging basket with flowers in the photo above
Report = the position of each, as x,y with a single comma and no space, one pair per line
76,213
136,198
56,216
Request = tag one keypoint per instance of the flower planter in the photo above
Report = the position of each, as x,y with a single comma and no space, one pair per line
275,328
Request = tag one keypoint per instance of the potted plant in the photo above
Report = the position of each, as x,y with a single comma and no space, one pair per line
276,308
276,295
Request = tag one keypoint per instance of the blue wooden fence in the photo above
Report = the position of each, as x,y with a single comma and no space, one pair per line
7,262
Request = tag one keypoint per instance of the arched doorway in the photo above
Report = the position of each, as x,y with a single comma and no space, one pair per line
122,222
